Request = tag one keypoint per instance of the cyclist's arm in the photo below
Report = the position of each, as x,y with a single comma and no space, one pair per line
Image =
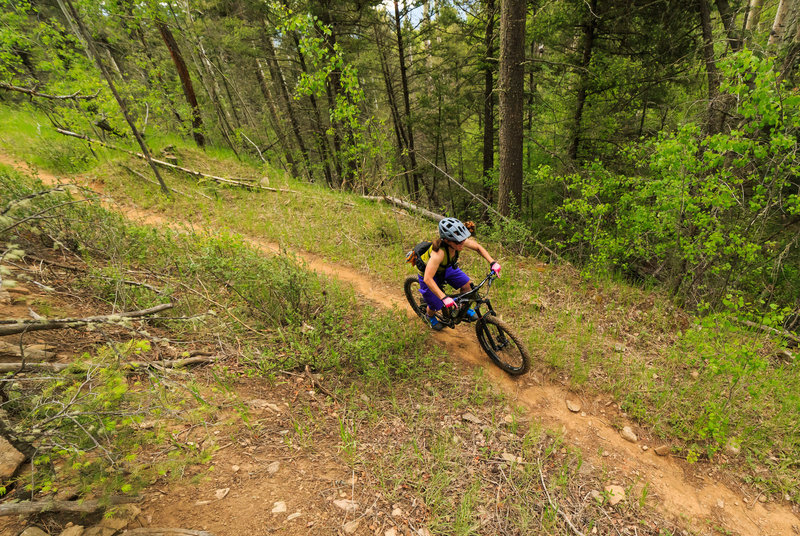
430,270
472,244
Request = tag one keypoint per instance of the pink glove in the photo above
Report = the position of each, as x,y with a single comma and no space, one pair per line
449,302
496,268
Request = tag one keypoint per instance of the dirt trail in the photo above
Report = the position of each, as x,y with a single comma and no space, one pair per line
705,503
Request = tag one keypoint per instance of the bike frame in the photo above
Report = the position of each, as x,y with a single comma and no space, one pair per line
463,301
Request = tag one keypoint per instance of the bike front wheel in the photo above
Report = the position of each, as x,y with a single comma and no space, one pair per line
414,297
502,345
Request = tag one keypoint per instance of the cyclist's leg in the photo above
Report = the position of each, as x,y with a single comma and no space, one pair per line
456,278
433,301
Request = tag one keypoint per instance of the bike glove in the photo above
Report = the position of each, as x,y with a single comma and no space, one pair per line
496,267
449,302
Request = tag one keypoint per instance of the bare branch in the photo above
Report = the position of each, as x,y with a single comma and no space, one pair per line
11,327
34,93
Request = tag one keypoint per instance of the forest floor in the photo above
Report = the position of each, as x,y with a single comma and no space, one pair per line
262,485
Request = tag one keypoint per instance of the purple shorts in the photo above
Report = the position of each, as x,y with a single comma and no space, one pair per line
454,277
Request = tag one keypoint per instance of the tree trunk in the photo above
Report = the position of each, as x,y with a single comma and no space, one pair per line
399,132
588,45
277,78
273,114
729,22
714,116
320,136
488,100
512,94
186,82
406,101
74,19
753,15
779,26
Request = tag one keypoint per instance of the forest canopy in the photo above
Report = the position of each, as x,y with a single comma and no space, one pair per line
658,140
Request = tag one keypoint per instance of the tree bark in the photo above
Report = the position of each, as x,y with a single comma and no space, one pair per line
37,507
399,132
74,19
273,114
512,94
186,82
779,25
488,100
714,116
277,78
753,15
589,29
412,156
729,22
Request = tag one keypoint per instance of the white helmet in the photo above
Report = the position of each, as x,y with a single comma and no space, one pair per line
452,229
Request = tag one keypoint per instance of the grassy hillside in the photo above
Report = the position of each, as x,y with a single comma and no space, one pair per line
710,388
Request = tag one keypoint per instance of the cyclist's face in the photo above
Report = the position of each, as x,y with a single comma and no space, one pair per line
458,246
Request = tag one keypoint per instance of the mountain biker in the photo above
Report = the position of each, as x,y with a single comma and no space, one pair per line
441,266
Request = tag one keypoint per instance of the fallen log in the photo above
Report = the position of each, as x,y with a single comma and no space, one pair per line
12,327
33,352
779,332
222,180
129,365
37,507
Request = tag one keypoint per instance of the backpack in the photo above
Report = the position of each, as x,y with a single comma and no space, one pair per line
413,256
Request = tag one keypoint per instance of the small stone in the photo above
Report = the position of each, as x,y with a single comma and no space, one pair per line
615,494
662,450
351,526
33,531
573,405
762,498
391,532
695,374
645,448
235,468
346,504
221,493
508,419
619,348
273,467
628,435
10,459
279,507
510,458
74,530
469,417
596,495
720,503
423,532
733,448
293,516
364,398
397,512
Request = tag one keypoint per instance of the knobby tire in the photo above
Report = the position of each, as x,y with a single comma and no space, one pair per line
503,346
415,300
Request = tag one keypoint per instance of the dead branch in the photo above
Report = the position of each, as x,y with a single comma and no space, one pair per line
33,93
11,327
318,385
37,507
32,352
144,177
406,205
159,531
129,365
780,332
222,180
554,505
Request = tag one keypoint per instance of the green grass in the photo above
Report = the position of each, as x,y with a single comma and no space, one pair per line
602,334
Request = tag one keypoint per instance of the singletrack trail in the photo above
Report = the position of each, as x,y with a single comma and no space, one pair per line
692,493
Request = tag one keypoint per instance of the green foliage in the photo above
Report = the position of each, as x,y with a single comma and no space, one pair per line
710,214
87,423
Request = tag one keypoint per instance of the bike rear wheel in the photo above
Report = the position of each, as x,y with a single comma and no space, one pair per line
414,297
502,345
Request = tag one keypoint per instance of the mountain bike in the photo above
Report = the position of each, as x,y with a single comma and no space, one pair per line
503,346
